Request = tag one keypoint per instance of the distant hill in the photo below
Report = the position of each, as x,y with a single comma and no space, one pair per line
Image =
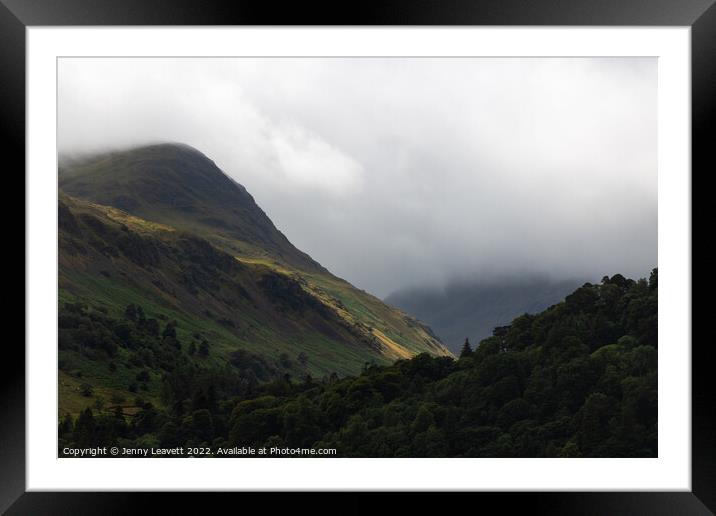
472,310
166,265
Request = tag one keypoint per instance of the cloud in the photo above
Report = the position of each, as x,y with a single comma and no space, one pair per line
403,172
115,104
306,159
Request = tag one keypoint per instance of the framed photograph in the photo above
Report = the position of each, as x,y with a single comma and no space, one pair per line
415,250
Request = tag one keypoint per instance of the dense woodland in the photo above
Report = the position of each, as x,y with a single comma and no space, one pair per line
577,380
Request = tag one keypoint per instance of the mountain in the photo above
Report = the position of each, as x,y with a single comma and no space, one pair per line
472,310
167,265
178,186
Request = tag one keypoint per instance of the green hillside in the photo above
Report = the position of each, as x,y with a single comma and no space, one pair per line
160,231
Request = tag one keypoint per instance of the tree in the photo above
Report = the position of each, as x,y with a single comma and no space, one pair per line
130,312
595,415
134,313
170,330
654,279
86,390
66,426
201,424
466,349
423,419
151,326
303,359
83,434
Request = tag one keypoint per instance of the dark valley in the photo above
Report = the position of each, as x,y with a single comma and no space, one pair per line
471,310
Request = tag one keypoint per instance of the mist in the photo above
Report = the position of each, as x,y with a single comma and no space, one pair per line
396,173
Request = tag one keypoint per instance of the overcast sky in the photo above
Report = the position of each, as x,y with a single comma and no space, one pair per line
396,173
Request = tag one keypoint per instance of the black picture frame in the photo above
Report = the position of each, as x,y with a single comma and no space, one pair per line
700,15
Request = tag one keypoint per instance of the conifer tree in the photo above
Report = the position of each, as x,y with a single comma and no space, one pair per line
466,349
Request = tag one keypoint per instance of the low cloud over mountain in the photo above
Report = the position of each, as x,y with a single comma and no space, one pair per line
396,173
